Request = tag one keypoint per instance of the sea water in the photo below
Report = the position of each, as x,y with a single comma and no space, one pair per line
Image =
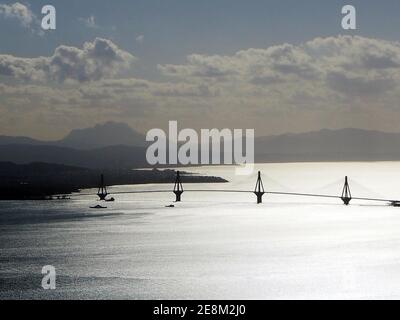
213,245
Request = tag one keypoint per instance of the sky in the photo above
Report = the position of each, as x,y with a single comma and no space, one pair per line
275,66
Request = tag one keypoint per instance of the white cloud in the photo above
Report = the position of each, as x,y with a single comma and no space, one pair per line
349,65
326,82
20,12
140,38
96,60
90,22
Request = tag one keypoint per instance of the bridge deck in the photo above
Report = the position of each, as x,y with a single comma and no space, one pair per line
239,191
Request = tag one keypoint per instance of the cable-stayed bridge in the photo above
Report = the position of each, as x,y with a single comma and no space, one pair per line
259,191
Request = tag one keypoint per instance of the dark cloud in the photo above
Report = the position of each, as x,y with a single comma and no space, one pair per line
359,86
380,61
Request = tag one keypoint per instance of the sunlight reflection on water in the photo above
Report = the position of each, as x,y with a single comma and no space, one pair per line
213,245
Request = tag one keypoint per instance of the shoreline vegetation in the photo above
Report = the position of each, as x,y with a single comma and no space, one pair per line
44,181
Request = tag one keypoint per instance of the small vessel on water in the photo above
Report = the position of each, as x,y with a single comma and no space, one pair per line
395,203
98,207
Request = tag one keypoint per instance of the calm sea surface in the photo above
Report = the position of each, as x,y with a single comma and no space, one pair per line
213,245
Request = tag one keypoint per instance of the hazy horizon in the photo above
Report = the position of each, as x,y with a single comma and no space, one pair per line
122,124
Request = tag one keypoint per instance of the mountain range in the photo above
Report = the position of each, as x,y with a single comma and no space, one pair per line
329,145
101,135
116,145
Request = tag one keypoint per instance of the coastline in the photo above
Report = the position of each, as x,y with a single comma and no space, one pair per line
59,185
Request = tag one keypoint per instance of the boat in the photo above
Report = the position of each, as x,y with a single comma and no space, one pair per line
98,207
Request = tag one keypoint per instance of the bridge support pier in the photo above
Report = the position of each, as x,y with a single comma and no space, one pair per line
178,188
102,191
259,189
346,194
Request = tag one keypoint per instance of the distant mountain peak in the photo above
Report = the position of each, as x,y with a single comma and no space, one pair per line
102,135
110,125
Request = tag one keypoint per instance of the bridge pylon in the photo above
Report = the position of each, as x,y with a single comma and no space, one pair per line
346,194
259,189
178,188
102,191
